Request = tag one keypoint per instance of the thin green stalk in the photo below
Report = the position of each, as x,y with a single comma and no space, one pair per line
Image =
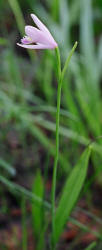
60,81
57,143
58,63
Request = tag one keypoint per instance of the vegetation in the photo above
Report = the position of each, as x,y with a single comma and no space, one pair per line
28,99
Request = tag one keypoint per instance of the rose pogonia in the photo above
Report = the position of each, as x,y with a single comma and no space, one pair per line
37,38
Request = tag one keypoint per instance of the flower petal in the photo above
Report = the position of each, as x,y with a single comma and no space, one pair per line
40,25
37,36
43,28
33,33
37,46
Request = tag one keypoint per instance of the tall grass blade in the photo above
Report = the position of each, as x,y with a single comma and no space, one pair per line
70,193
15,188
91,246
7,166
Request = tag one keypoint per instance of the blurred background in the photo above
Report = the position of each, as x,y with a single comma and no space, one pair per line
28,89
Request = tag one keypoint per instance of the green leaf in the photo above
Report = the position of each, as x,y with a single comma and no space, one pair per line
7,167
85,228
70,193
91,246
37,210
19,190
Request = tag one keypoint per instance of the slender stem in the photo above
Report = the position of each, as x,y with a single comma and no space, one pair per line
57,145
58,63
60,80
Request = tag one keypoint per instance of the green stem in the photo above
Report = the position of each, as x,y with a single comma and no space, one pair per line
68,60
57,144
60,80
58,63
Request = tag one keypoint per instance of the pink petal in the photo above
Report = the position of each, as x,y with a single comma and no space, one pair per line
44,29
40,25
38,46
37,36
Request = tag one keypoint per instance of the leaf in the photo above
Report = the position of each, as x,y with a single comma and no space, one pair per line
85,228
91,246
70,193
71,134
19,190
7,167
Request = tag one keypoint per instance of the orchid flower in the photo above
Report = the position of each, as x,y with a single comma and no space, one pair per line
37,38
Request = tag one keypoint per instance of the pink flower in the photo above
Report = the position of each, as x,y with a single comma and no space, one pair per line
37,38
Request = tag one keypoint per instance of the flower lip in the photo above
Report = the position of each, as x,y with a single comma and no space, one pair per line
26,40
37,38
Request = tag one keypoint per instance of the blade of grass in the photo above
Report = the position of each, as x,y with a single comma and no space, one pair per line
15,188
7,167
70,193
92,179
52,109
38,133
73,135
91,246
89,214
85,228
